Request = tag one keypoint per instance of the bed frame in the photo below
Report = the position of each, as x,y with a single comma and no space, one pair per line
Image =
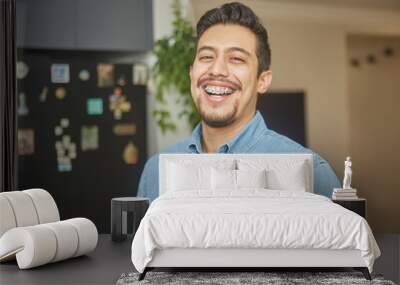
248,259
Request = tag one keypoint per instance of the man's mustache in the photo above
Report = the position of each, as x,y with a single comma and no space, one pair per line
203,80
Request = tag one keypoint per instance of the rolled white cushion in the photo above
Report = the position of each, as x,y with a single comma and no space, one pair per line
67,239
87,234
7,218
23,208
45,205
33,246
37,245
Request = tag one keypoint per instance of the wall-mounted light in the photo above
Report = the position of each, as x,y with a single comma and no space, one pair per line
388,51
354,62
371,59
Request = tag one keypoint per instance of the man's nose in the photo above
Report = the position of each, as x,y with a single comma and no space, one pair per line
219,67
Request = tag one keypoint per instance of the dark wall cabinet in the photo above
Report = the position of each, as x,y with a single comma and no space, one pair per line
46,24
100,25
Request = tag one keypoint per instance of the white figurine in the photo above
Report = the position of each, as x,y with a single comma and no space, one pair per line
347,173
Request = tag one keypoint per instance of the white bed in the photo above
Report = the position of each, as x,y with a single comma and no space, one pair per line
208,226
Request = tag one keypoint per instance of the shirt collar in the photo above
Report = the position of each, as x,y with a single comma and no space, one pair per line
240,143
195,140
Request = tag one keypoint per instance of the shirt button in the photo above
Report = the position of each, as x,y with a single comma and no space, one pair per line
224,149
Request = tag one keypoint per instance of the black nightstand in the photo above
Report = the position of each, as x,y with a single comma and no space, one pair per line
358,206
126,214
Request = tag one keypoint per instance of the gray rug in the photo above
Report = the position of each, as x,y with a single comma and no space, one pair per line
229,278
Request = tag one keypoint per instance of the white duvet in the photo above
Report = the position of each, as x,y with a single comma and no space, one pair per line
250,219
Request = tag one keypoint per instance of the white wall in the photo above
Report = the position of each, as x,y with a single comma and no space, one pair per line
348,111
163,19
374,101
309,52
162,26
308,57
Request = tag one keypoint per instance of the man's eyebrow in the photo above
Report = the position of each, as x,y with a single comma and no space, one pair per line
205,48
228,49
240,50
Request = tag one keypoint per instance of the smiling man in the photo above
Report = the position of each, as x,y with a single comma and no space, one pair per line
230,69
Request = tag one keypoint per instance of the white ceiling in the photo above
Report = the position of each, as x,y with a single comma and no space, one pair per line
373,4
354,16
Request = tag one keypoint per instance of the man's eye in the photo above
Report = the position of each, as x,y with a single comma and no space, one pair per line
237,59
205,57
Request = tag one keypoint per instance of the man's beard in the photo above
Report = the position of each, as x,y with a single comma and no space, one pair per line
216,120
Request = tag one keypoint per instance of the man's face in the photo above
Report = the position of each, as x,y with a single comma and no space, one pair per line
224,81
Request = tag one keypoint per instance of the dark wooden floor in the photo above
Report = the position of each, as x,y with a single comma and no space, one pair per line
389,262
110,260
103,266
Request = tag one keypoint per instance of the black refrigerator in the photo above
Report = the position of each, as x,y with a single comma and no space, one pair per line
81,129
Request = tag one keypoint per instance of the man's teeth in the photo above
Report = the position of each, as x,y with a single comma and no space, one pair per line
218,90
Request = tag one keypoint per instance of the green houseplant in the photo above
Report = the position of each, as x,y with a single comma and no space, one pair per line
174,55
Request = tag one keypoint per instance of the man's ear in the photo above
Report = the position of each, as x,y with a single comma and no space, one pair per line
264,81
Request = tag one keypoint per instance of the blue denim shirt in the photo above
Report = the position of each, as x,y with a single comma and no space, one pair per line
255,137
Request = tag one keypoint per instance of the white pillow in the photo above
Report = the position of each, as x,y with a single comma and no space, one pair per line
251,178
236,179
281,174
203,161
292,179
186,174
181,177
223,179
